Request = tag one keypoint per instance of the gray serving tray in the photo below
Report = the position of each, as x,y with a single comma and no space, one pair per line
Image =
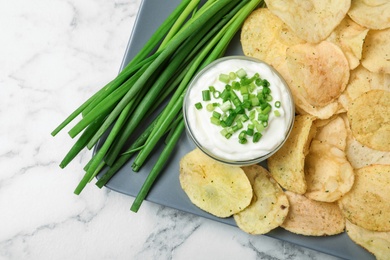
167,190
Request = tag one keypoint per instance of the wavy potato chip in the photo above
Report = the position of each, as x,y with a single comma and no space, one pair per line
302,106
369,118
313,218
367,204
378,243
373,14
310,20
376,51
264,36
360,155
332,131
362,80
269,206
286,166
319,71
328,173
349,36
214,187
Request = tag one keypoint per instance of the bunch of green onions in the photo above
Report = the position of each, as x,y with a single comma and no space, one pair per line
190,38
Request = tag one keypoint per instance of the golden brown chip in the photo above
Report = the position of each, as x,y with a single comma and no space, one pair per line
373,14
359,155
376,51
264,36
319,71
311,20
349,36
216,188
378,243
369,118
313,218
302,106
269,206
328,173
362,80
367,204
287,164
333,132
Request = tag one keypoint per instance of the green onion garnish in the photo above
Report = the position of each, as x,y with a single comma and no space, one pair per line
206,95
198,105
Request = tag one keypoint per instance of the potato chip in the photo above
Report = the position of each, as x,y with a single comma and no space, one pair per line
216,188
362,80
264,36
378,243
310,20
349,36
313,218
367,204
269,206
369,118
333,132
302,106
376,51
328,173
373,14
287,164
359,155
319,71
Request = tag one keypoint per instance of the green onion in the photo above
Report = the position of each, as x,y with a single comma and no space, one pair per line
241,73
224,78
206,95
198,105
256,137
277,104
277,113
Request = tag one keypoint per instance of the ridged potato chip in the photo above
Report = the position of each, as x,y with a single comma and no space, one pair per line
264,36
319,71
214,187
349,36
378,243
328,173
369,118
313,218
367,204
376,51
310,20
373,14
287,164
362,80
269,206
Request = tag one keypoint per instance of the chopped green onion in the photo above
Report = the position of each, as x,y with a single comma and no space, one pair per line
217,114
212,89
224,78
241,73
242,134
277,104
225,106
210,107
243,140
198,105
232,76
206,95
277,113
256,137
215,121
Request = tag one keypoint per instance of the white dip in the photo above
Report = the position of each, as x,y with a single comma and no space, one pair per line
208,135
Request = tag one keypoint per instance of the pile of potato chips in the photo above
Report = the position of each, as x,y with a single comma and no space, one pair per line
333,173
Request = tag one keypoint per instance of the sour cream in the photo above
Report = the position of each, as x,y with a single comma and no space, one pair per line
207,136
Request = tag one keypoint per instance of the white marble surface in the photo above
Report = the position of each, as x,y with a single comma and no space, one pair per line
53,55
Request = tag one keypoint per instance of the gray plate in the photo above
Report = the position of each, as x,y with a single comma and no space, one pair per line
167,190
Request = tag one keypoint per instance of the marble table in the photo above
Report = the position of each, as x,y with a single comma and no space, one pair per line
53,55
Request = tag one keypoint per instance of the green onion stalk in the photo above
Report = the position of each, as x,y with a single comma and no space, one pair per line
147,95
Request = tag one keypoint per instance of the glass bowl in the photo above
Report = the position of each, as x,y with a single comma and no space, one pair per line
227,146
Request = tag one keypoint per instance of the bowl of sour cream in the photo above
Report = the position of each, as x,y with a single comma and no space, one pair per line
238,110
